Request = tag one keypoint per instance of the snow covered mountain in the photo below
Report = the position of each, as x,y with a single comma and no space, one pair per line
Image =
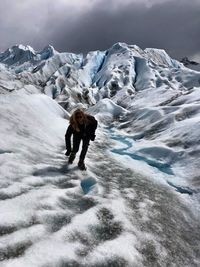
160,95
144,203
21,55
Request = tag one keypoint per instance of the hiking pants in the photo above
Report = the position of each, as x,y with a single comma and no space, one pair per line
76,144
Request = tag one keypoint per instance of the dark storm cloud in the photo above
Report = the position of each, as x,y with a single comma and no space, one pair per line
170,25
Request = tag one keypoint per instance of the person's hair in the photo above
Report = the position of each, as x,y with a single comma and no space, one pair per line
73,119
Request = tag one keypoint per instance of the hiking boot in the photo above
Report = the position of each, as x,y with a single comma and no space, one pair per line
82,166
71,158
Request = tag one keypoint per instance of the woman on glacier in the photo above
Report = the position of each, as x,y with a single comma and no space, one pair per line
82,127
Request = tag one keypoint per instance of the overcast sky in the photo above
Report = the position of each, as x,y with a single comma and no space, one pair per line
80,26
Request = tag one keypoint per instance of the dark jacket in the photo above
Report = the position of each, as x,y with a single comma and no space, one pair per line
86,131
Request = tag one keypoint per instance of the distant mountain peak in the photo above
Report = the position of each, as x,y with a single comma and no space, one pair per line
20,54
49,48
186,61
190,64
47,52
17,54
18,48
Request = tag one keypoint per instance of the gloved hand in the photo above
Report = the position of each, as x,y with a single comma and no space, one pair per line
92,137
67,153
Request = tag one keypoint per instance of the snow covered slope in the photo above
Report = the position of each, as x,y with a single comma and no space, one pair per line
145,159
47,220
